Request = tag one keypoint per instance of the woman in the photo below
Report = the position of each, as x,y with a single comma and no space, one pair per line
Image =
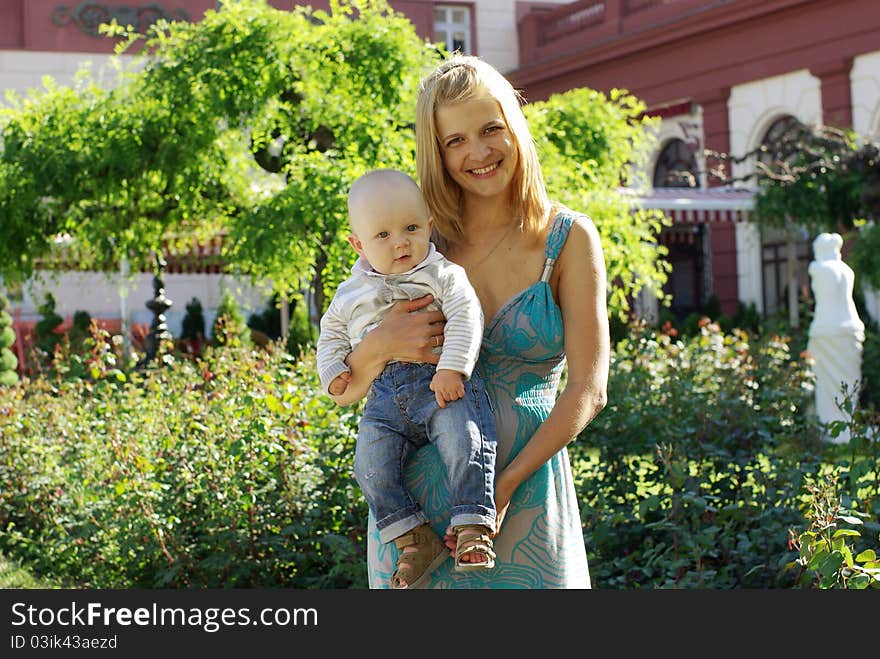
539,272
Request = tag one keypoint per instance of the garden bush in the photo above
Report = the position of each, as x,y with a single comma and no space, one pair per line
230,471
8,360
233,470
699,468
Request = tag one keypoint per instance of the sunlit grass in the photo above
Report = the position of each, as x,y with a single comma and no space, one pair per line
12,575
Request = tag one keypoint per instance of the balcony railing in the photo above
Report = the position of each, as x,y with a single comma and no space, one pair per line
544,34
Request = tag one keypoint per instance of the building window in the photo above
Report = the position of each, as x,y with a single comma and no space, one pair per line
452,27
774,244
774,264
775,145
676,166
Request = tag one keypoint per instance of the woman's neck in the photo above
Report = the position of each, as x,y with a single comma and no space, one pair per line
481,214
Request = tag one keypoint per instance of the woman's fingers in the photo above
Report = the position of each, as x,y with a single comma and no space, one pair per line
415,335
419,303
499,519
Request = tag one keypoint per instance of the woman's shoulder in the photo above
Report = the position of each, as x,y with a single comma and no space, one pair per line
574,223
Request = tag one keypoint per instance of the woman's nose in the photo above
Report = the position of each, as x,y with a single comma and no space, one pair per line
479,149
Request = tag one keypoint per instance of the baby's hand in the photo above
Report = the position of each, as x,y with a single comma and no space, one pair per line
339,384
447,386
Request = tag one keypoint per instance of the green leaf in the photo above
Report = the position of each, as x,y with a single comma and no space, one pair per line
845,532
817,558
859,582
866,556
648,504
830,565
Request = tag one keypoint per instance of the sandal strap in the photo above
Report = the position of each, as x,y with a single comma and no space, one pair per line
407,540
473,540
476,549
412,566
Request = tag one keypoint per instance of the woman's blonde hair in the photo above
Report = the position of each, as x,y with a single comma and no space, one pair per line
462,78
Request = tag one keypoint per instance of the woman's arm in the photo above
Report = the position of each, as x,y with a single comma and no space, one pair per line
581,292
401,336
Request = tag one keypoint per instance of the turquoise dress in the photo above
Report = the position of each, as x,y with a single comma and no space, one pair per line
541,544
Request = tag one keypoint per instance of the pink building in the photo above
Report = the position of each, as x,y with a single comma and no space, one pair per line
722,74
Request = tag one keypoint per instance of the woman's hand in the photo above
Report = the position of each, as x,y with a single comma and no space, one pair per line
401,336
505,486
411,337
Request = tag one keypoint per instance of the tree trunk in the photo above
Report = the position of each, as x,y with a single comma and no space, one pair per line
285,316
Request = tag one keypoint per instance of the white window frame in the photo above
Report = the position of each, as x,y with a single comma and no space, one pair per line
450,27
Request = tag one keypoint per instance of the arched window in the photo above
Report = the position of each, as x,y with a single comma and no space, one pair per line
781,144
676,166
775,146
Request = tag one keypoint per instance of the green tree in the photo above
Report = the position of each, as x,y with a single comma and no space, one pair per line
253,122
80,330
590,143
229,326
8,360
193,322
819,178
45,328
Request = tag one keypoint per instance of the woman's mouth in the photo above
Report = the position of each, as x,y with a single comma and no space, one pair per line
485,171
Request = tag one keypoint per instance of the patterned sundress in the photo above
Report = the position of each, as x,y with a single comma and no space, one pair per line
541,544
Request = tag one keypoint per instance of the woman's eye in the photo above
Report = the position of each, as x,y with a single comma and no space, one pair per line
453,141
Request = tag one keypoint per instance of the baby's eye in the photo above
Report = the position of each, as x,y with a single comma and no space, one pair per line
413,227
382,234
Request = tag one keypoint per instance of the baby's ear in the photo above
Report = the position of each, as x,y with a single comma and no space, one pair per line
355,242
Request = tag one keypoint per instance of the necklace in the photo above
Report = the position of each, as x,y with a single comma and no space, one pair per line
498,244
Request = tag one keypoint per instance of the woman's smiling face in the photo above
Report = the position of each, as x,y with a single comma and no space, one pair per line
478,148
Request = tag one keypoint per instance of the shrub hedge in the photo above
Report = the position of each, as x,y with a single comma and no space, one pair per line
702,465
233,470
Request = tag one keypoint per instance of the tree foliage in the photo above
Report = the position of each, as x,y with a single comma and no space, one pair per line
252,123
815,174
589,144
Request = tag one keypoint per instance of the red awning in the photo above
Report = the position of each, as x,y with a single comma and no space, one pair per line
694,205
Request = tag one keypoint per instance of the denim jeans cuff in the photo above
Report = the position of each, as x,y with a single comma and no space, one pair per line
486,518
398,528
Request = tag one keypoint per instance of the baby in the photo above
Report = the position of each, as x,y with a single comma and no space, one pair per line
391,232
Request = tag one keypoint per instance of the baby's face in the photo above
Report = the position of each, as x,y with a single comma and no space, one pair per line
390,228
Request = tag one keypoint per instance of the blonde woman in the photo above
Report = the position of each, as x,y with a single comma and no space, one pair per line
539,273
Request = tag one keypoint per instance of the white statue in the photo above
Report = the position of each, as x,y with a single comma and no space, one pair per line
837,333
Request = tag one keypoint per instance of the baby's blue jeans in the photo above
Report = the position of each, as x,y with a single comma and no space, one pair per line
400,416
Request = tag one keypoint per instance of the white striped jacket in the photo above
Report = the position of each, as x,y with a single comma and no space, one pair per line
362,300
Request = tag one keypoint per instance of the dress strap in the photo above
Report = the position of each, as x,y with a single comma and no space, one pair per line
555,240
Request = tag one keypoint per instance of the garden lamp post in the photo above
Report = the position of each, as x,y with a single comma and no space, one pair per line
159,304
